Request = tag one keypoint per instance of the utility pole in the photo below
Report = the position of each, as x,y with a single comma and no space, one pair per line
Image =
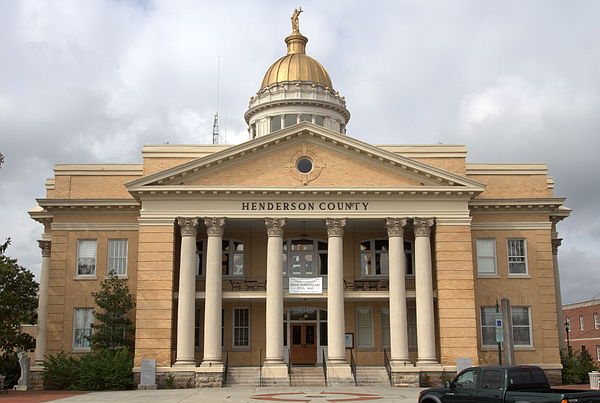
215,131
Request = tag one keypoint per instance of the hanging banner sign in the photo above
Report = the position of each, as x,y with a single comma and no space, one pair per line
303,285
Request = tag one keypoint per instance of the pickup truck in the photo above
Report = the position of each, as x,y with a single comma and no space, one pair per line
515,384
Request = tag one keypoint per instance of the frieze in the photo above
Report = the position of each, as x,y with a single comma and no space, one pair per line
304,206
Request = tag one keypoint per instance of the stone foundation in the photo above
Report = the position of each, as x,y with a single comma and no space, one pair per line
36,379
172,379
414,378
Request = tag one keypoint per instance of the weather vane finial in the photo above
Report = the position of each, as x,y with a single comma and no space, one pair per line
295,22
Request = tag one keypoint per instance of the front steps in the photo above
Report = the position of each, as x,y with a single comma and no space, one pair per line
372,376
307,376
243,376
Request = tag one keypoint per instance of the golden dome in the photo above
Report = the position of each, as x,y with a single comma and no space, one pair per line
296,65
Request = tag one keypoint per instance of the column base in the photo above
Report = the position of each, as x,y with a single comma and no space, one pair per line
339,373
428,362
185,363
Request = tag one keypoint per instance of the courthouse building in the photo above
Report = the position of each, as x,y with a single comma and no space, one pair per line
305,246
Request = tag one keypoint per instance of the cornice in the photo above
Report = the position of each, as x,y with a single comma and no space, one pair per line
511,226
507,169
99,169
91,204
551,204
95,226
297,102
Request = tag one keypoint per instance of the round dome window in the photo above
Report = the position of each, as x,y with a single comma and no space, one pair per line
304,165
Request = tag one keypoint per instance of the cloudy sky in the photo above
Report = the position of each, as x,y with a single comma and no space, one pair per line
515,81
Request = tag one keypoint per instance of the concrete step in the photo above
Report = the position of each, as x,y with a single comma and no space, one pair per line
243,376
372,376
307,376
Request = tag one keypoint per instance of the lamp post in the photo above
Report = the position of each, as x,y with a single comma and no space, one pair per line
567,330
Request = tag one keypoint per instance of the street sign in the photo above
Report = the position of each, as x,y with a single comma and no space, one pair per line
499,329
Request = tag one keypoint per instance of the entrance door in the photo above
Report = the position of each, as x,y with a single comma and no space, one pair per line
303,343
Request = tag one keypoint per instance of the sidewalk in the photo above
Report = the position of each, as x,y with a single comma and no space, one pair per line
237,395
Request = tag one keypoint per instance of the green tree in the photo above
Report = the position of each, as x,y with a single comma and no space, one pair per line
18,304
112,328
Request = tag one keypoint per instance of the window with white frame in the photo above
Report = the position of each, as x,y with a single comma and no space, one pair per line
82,328
117,257
581,322
486,256
86,257
232,259
364,327
521,323
596,322
598,353
517,256
304,257
385,327
241,327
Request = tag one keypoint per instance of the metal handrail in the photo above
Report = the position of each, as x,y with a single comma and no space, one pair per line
289,367
260,368
225,369
353,367
324,367
388,366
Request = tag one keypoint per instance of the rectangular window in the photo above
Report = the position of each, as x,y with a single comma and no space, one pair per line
521,321
197,317
596,322
275,123
517,256
385,327
86,257
411,319
82,328
409,256
486,256
241,327
581,327
364,327
117,256
598,353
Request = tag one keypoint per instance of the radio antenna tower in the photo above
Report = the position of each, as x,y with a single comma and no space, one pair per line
215,132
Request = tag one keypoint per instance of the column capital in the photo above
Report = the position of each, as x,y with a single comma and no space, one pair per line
335,226
422,226
556,242
275,226
395,226
46,247
215,226
188,226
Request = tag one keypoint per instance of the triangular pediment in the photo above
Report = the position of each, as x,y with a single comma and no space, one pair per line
337,162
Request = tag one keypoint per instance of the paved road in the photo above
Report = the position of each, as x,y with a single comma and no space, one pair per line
255,395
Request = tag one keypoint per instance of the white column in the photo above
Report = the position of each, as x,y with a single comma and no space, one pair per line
336,352
274,307
213,304
397,291
282,120
424,292
186,302
559,319
42,330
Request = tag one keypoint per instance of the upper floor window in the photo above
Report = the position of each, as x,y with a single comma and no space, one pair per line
304,257
86,257
517,256
117,257
82,328
581,322
486,256
374,257
232,259
596,322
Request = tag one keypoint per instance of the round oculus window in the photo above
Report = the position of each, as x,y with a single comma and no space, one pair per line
304,165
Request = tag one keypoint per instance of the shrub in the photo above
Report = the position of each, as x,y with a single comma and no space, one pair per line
106,370
577,366
60,371
9,367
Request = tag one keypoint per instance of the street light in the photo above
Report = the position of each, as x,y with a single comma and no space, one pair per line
567,330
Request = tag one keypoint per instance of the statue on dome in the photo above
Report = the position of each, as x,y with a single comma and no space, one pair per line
295,22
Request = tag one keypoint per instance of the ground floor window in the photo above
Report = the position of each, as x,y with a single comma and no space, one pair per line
364,327
241,327
82,328
521,321
598,353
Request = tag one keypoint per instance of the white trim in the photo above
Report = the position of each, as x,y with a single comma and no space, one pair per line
525,252
493,256
94,226
509,226
89,275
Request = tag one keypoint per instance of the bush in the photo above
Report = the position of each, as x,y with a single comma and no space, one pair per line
576,367
10,368
106,370
60,372
100,370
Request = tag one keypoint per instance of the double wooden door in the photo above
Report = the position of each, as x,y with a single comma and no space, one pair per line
303,346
